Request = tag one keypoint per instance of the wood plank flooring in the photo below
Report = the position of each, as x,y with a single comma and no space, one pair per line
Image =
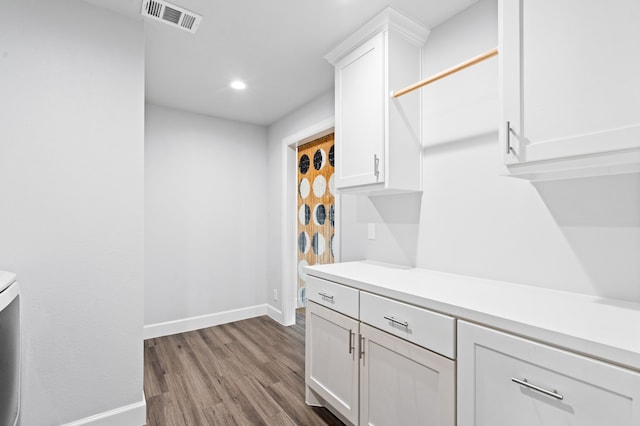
249,372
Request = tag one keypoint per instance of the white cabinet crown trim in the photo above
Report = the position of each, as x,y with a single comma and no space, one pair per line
387,19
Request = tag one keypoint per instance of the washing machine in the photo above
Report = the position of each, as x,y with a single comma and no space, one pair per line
9,349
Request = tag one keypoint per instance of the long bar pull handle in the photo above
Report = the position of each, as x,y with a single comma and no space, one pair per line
395,321
326,296
361,347
508,136
352,335
526,384
376,166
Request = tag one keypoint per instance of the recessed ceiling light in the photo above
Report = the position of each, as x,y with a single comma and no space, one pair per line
238,85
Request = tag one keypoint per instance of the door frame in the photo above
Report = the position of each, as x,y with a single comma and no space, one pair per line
289,267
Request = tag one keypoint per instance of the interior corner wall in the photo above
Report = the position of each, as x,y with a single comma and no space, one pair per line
205,216
579,235
71,209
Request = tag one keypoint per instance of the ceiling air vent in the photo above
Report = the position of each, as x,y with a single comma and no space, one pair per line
171,14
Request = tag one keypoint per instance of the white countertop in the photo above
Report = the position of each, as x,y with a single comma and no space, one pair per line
601,328
6,279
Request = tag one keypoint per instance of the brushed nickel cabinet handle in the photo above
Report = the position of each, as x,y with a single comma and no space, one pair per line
395,321
508,136
352,335
376,166
526,384
361,356
326,296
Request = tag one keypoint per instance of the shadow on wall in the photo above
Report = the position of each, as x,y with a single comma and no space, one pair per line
488,137
600,219
397,219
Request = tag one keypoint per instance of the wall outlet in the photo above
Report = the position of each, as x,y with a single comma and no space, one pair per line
371,231
275,294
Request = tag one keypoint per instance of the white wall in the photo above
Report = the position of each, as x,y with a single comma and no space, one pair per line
205,218
71,204
579,235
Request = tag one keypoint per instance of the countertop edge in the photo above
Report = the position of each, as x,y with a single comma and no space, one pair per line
554,336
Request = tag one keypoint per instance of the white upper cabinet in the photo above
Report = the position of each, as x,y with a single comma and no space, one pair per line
378,146
570,87
361,79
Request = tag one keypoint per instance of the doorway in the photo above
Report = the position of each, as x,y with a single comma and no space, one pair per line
316,208
289,220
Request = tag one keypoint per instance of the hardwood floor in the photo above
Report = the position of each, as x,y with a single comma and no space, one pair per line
249,372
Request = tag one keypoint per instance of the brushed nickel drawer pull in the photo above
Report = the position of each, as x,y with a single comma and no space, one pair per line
526,384
395,321
508,136
326,296
376,166
352,346
361,347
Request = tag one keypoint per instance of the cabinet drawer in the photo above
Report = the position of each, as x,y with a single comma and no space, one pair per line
507,380
334,296
431,330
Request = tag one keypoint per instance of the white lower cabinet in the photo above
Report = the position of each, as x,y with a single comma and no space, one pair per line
367,376
331,360
402,383
505,380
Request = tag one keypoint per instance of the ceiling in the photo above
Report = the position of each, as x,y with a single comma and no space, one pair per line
275,46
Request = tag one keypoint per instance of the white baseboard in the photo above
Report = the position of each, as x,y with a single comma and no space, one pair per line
275,314
202,321
130,415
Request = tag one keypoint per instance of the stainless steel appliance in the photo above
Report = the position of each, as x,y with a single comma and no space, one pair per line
9,349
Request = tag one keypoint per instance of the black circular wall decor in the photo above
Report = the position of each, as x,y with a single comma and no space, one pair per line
304,164
307,214
332,215
319,159
317,243
331,154
302,242
321,214
331,244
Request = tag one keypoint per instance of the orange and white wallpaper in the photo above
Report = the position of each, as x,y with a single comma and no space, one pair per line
316,207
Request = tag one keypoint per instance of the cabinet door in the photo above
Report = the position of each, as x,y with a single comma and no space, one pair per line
404,384
504,380
360,115
331,362
570,85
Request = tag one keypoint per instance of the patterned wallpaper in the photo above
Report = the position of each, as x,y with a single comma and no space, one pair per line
316,207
